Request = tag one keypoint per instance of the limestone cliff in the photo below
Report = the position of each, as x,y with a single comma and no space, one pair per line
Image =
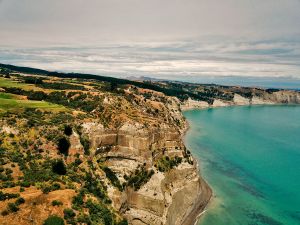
172,197
263,98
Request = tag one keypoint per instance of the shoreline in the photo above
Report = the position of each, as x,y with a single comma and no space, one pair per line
198,210
235,105
200,206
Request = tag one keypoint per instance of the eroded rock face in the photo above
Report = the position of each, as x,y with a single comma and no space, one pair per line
174,197
278,97
194,104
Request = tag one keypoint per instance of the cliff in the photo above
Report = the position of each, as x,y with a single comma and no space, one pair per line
91,154
263,98
171,197
90,150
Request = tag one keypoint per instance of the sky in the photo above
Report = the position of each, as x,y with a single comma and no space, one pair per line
158,38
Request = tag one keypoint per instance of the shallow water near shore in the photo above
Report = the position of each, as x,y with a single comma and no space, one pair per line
250,156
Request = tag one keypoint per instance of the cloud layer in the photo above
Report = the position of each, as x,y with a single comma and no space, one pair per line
166,60
32,22
170,38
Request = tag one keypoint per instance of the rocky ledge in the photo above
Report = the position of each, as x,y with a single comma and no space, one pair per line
172,196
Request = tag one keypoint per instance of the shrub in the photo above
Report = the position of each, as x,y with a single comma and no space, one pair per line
84,219
78,199
123,222
63,146
86,144
59,167
12,207
20,201
4,212
25,184
54,220
112,177
68,130
139,178
56,203
6,196
69,214
77,162
53,187
99,213
165,163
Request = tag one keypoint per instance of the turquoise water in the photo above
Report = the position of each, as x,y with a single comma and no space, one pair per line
250,156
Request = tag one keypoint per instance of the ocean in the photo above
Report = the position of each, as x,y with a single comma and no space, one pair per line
250,156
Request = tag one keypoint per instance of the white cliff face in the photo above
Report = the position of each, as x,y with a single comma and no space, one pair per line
279,97
171,198
239,100
220,103
194,104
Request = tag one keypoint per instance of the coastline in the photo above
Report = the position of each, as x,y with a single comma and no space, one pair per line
198,208
200,204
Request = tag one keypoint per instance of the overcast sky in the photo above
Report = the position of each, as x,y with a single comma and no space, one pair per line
151,37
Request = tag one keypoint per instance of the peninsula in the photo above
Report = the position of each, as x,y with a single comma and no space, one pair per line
87,149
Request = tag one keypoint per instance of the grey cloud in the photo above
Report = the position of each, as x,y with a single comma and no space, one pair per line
75,21
279,59
159,38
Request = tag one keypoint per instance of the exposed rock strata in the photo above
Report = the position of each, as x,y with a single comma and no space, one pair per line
279,97
175,197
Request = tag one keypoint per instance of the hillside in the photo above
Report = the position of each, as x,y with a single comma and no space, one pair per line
99,150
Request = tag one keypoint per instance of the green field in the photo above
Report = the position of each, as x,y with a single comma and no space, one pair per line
8,102
6,96
7,83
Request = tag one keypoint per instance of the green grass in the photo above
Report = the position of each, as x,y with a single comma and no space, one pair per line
6,96
7,104
8,83
10,102
4,82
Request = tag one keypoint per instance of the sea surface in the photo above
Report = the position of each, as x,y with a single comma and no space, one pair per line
250,156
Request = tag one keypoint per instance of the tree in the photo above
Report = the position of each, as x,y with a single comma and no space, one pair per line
59,167
54,220
63,146
68,130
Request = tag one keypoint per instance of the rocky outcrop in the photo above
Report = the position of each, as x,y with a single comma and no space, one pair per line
173,198
193,104
265,98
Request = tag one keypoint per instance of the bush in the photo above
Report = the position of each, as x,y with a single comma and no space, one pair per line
63,146
123,222
4,212
53,187
99,213
165,163
12,207
6,196
20,201
139,178
78,199
54,220
86,144
69,214
25,184
56,203
68,130
59,167
112,177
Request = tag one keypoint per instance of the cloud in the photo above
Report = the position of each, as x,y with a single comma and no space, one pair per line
34,22
159,38
175,59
